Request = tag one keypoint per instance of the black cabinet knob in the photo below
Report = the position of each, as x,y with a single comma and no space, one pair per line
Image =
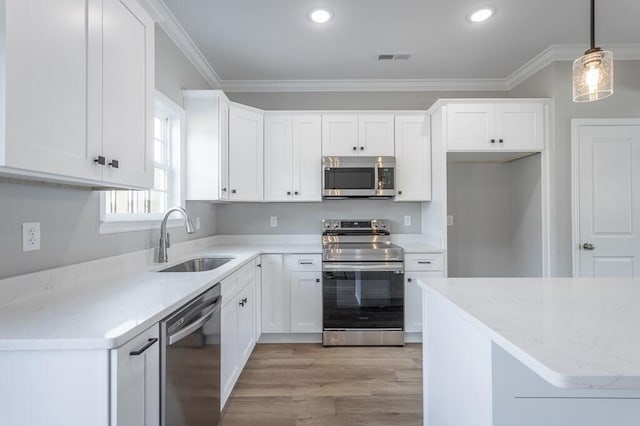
233,191
114,163
100,160
355,148
288,192
362,148
224,189
501,141
399,192
317,280
409,280
295,193
493,141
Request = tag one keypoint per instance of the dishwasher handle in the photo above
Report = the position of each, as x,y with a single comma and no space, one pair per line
184,332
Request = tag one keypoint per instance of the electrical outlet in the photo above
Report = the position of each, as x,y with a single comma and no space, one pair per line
274,221
30,236
197,223
407,220
449,220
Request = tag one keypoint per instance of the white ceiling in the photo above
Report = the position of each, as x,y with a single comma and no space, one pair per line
258,40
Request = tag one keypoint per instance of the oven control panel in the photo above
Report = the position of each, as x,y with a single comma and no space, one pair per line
356,224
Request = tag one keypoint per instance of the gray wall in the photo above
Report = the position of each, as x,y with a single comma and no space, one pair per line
496,209
555,81
69,217
304,218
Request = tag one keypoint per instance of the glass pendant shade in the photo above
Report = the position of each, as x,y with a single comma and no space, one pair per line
593,76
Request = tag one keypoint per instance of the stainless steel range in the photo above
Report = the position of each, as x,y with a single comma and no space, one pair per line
362,285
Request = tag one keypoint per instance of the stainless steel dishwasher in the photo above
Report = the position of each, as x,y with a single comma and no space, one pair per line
190,362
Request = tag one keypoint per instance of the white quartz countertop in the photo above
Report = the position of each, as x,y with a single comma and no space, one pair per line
85,312
573,332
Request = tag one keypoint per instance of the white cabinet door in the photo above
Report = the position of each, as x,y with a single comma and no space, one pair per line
275,295
207,145
278,157
471,127
413,299
245,153
44,112
135,381
376,135
128,87
246,305
229,367
306,302
413,158
339,134
520,126
307,157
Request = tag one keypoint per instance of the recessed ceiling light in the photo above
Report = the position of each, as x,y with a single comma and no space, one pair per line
481,15
320,16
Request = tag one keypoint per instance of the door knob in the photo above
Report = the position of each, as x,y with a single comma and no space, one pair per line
588,246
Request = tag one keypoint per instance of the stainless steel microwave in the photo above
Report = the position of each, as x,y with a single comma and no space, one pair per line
358,177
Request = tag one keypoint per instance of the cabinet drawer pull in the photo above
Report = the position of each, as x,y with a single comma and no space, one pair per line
114,163
305,262
424,262
144,348
100,160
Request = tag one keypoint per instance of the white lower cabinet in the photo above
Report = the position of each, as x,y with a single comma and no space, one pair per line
238,337
421,266
275,295
135,381
306,302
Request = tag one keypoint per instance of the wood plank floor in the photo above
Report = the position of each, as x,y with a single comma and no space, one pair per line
307,384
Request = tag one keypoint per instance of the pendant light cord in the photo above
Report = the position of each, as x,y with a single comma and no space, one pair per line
593,24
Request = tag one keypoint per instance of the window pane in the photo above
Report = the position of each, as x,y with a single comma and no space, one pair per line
158,128
160,179
158,201
158,152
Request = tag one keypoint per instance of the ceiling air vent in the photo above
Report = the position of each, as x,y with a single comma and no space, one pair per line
394,56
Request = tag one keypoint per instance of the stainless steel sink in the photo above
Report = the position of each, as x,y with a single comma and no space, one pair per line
199,264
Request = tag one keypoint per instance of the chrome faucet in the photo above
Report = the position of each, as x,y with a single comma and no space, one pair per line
164,236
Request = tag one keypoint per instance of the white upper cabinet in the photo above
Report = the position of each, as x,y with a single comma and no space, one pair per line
292,157
128,89
339,134
207,147
79,79
376,135
357,135
507,126
246,127
413,158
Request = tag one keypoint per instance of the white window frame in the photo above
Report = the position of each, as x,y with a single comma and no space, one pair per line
110,224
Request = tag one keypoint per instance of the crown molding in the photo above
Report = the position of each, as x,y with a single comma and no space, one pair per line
366,85
168,22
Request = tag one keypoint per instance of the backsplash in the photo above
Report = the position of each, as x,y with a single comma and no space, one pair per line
305,218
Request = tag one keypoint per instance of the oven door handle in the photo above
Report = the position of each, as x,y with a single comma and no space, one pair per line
397,267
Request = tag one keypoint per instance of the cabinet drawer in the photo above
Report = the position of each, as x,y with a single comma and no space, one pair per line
236,281
424,262
246,274
304,262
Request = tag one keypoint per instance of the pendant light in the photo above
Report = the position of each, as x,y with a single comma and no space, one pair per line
593,72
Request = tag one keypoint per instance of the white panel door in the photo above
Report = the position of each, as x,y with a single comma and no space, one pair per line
246,323
339,135
275,295
127,93
245,154
471,127
135,381
413,158
520,126
223,149
413,299
46,88
306,302
229,367
307,157
609,207
376,135
278,161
